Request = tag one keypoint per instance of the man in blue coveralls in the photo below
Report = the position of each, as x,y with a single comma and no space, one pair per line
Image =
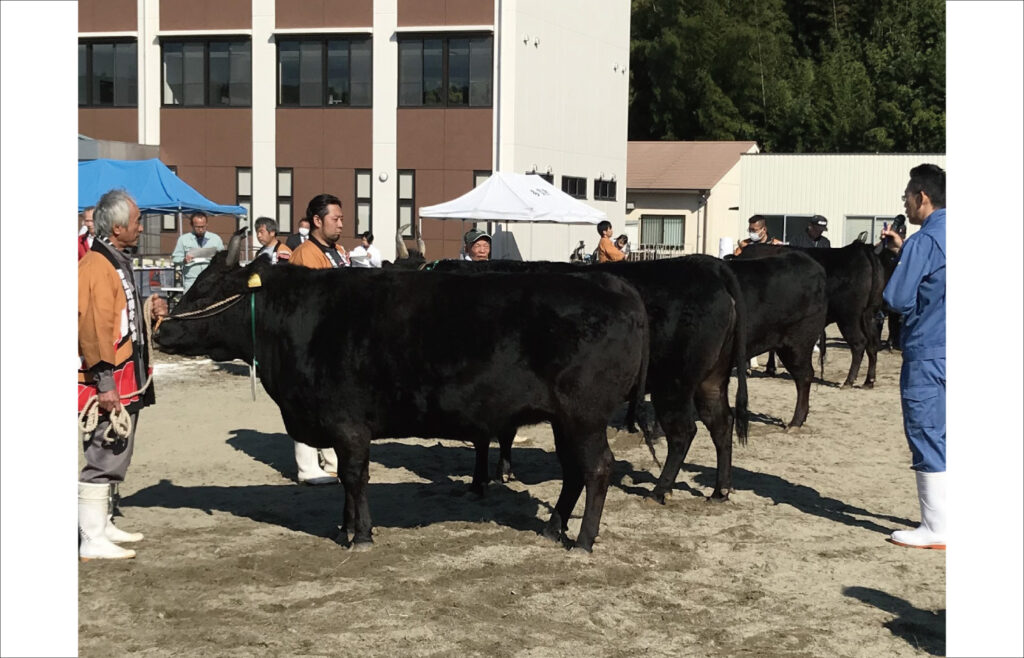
917,291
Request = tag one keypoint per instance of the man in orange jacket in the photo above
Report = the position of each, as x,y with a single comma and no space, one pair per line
112,344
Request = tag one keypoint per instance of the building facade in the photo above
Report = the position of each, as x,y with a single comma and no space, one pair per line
855,192
390,105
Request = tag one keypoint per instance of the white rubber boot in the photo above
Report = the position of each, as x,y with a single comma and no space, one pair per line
112,532
931,492
309,466
92,523
330,461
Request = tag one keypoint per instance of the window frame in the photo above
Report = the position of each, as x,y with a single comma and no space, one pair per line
206,41
239,197
605,189
284,225
444,37
400,203
173,216
661,221
580,182
322,39
114,41
358,199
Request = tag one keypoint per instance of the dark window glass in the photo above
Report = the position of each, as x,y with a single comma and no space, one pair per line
453,72
338,81
194,74
573,186
324,72
433,72
288,70
362,73
126,76
103,74
458,72
410,73
83,74
604,190
480,71
207,73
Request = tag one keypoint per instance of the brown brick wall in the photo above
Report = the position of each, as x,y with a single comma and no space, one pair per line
445,12
205,15
206,144
119,124
107,16
324,13
444,147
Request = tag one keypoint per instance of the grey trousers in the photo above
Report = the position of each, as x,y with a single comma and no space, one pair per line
107,462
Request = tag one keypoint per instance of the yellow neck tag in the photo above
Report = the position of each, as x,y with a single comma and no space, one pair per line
254,281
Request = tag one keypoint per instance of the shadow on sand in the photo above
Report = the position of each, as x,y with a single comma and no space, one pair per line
922,629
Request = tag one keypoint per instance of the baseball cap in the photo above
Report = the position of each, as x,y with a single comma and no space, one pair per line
473,236
820,221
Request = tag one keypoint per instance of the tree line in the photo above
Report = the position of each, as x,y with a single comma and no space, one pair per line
797,76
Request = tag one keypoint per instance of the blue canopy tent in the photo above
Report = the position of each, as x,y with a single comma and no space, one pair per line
153,186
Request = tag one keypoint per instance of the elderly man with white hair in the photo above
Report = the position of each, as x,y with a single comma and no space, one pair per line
112,346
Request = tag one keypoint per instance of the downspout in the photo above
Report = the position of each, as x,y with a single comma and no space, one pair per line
704,202
497,89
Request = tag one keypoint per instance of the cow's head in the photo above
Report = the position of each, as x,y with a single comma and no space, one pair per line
207,321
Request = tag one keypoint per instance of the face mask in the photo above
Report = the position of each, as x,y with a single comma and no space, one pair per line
303,232
755,236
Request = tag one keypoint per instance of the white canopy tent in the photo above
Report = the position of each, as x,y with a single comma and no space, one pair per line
510,197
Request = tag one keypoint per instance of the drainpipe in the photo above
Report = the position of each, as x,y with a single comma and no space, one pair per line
497,88
704,202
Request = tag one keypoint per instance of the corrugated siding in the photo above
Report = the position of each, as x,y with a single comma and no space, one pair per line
835,186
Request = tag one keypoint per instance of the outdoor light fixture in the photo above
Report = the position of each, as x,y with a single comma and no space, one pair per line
383,176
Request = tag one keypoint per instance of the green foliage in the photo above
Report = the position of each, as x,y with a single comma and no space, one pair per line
794,75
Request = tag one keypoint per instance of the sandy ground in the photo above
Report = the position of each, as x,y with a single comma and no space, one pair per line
239,560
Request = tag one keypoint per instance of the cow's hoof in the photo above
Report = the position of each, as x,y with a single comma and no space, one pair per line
554,534
508,477
718,498
794,429
770,373
657,497
579,550
868,385
361,546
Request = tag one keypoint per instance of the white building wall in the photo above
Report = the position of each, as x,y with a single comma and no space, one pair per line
836,186
564,103
264,110
148,49
383,176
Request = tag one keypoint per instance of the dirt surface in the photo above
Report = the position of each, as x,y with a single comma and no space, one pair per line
240,560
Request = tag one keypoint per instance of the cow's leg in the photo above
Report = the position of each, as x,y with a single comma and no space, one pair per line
798,360
677,415
353,450
712,401
597,461
572,485
504,470
872,350
481,446
854,336
771,370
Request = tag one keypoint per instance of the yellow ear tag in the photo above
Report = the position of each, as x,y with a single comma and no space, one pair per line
254,281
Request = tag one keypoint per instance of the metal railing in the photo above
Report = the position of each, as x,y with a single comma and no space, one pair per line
655,252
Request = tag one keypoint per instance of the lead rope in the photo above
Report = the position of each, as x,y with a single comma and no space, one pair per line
252,368
120,420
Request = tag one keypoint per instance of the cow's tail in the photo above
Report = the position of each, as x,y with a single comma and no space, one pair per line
739,351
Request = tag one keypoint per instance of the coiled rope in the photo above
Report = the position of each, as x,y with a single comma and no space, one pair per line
120,419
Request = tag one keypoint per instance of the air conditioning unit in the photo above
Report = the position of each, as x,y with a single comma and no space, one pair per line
630,206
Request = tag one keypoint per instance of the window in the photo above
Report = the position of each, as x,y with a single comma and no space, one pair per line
604,190
445,71
284,200
576,187
667,230
480,177
169,221
406,201
857,224
243,193
108,74
784,227
321,72
364,201
207,73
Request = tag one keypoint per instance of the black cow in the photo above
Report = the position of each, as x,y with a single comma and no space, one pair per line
428,354
854,283
698,332
786,307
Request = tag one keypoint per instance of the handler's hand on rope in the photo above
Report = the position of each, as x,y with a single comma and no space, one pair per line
158,306
109,400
